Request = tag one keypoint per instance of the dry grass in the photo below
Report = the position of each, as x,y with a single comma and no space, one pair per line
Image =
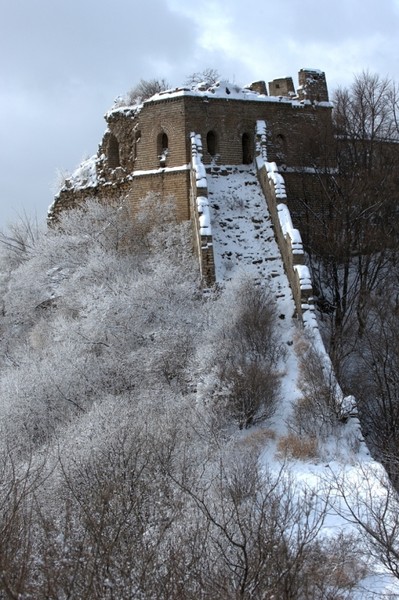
258,439
294,446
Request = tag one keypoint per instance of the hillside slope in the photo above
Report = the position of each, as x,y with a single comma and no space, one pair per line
244,246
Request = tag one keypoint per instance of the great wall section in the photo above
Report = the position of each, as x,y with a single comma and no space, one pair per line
241,166
186,142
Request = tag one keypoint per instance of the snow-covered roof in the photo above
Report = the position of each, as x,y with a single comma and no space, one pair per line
228,91
126,111
84,176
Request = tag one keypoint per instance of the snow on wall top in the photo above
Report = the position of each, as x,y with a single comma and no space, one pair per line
288,228
201,182
196,159
229,91
126,111
309,70
223,89
84,176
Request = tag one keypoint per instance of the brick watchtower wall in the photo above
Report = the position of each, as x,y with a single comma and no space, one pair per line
148,148
288,238
312,85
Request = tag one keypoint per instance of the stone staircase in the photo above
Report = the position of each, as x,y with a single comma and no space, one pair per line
243,235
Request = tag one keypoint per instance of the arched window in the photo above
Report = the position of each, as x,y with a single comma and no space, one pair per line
165,142
247,153
113,152
162,143
163,148
281,147
211,142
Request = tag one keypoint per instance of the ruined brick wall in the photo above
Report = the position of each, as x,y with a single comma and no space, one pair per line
135,189
148,149
312,85
284,86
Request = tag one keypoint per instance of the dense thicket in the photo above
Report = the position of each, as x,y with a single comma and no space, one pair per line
122,391
122,388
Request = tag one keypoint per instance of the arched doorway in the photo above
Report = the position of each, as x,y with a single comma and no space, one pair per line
247,152
211,142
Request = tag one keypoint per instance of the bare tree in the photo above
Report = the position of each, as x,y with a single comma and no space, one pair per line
208,77
264,534
372,505
18,242
352,233
376,385
19,482
144,90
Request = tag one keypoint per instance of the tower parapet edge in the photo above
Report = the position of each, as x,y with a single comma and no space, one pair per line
147,147
283,86
312,85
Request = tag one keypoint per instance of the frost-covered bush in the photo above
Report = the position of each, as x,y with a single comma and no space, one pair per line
145,89
116,479
105,303
18,243
247,354
317,412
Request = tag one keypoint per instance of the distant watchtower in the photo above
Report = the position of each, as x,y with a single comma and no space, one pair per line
147,147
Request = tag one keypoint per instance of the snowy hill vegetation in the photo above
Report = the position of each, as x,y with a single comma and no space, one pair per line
145,449
159,441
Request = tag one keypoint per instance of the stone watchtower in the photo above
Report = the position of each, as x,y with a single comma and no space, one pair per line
147,147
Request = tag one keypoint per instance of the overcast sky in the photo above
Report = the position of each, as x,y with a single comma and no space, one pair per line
63,62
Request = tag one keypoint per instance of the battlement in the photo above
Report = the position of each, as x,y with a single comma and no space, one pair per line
312,86
147,147
284,86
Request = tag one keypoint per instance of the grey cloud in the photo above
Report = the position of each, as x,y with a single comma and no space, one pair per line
62,62
61,65
50,42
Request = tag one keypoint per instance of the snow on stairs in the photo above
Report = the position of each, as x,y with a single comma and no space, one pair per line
243,235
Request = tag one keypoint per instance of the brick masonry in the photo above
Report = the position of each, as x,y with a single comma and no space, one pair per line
149,148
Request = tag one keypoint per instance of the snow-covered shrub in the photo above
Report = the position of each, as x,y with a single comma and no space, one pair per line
234,202
144,90
18,243
105,303
317,412
252,391
60,179
248,351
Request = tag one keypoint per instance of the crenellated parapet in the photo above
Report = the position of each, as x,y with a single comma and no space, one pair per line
288,237
200,212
